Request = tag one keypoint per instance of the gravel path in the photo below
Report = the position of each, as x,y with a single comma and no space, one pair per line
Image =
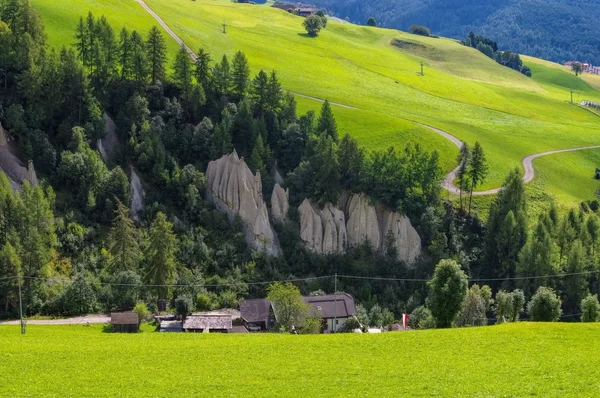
81,320
448,182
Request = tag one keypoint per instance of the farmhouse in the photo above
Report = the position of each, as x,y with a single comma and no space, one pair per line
304,10
334,309
307,11
213,323
257,315
124,322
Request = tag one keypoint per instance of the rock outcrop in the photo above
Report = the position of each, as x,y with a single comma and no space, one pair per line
12,167
109,142
280,202
322,231
234,190
362,221
137,195
326,231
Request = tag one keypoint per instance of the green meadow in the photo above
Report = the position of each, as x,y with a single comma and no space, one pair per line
377,71
524,359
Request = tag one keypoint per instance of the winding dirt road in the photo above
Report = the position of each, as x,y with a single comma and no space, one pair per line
448,182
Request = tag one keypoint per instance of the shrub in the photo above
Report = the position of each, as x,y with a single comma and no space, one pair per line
474,308
143,312
78,298
419,30
590,309
544,306
509,306
183,306
418,318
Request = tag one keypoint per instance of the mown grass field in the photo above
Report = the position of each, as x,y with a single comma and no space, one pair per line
546,360
463,92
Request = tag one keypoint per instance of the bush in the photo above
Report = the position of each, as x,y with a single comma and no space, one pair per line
313,25
474,308
544,306
143,312
509,306
419,30
183,306
418,318
78,298
590,309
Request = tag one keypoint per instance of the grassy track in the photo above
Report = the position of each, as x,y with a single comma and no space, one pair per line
509,360
463,92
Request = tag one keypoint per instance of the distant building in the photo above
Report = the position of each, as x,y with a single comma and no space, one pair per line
291,8
304,10
124,322
257,315
334,309
213,323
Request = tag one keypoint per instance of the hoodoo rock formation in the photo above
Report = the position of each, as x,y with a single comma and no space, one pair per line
322,231
280,202
326,231
12,167
137,195
107,144
234,190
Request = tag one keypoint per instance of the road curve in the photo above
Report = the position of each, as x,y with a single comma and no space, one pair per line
448,182
195,57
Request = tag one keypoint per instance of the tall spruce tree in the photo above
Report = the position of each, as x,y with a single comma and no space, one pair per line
327,124
222,76
464,160
182,74
259,91
139,62
240,75
122,241
506,228
202,70
477,170
125,54
325,171
156,54
160,255
274,93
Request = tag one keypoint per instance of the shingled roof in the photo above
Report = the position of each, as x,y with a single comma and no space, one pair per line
256,310
124,318
332,305
201,322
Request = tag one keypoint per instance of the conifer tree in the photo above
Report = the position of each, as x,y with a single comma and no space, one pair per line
241,131
327,124
83,42
325,168
10,270
240,75
125,54
477,170
464,160
274,93
139,62
183,73
122,240
202,70
156,54
259,91
222,76
160,255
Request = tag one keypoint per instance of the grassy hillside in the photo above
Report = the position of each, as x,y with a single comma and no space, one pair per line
462,92
509,360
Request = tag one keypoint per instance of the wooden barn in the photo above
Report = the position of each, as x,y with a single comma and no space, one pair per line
124,322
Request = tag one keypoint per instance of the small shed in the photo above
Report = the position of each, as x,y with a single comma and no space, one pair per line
213,323
124,322
258,314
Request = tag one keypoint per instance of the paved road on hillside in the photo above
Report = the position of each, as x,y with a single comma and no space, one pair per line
448,182
195,57
80,320
529,175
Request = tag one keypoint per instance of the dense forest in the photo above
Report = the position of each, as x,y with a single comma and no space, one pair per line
556,30
74,245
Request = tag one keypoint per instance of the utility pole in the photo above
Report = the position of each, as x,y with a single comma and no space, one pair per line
571,96
335,304
224,27
21,307
422,74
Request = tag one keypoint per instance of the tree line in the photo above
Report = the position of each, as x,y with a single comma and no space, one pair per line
490,48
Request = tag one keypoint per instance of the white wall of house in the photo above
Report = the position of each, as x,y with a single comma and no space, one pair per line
334,328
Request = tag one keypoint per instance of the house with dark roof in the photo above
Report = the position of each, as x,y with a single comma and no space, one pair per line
208,323
333,309
306,11
124,322
257,315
